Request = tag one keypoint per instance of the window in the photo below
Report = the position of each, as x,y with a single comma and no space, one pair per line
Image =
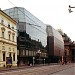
2,34
29,53
26,52
13,56
13,37
3,56
9,36
8,25
12,27
2,21
9,54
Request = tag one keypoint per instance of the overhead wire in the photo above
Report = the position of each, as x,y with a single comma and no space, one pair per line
28,17
23,13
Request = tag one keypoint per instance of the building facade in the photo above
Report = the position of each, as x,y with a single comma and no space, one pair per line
32,36
8,41
68,45
72,52
69,48
55,44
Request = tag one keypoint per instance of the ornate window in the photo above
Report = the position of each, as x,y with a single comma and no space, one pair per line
3,56
13,56
9,36
3,30
9,33
12,27
2,34
10,54
9,26
13,36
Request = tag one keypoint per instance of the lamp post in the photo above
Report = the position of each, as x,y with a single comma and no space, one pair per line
44,60
33,60
38,52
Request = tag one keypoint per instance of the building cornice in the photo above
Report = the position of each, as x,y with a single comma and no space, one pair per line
8,41
8,17
7,27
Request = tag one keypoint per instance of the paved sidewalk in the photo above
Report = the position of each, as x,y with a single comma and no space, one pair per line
20,67
13,68
23,66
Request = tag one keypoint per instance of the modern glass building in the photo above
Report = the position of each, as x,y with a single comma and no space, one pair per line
31,35
55,44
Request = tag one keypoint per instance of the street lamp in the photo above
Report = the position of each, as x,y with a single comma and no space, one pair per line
33,60
70,8
38,52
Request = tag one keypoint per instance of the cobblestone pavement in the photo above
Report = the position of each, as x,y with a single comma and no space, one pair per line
40,70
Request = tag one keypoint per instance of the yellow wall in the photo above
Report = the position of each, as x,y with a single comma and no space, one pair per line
10,46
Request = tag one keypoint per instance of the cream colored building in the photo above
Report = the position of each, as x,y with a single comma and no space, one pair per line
8,39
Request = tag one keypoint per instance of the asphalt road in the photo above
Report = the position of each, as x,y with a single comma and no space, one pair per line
41,70
70,71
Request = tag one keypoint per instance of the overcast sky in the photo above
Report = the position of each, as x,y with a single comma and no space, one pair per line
53,12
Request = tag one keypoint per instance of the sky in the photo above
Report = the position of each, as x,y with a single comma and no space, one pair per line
52,12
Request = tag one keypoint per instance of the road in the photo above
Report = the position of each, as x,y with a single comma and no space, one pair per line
70,71
40,70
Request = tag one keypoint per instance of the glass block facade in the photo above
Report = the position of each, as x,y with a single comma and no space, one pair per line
31,35
33,26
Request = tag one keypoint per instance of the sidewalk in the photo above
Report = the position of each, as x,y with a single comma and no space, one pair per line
20,67
23,67
13,68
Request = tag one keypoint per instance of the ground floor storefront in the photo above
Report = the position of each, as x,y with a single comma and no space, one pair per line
30,60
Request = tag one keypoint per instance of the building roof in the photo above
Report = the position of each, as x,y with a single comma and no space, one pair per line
4,14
